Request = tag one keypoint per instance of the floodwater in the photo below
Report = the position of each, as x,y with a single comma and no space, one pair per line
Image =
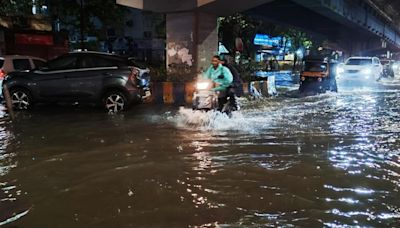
326,160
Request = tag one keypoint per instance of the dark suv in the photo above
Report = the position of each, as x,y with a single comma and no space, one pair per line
110,80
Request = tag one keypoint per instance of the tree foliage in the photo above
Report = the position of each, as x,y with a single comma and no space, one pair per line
245,27
68,12
107,12
238,25
15,7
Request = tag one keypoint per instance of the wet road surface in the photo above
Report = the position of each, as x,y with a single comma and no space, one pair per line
324,160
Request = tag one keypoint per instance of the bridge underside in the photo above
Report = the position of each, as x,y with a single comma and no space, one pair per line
217,7
322,24
353,26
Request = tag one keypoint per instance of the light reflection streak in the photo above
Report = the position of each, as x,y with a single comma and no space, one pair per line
356,190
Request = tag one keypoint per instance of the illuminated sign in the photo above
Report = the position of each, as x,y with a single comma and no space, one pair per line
265,40
34,39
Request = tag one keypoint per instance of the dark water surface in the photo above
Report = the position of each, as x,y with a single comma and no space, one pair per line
325,160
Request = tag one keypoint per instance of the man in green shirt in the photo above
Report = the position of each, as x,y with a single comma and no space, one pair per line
222,76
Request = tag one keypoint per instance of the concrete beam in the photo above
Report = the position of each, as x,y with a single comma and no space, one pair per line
217,7
138,4
352,14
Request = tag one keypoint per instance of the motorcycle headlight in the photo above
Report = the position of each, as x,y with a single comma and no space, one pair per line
366,71
202,85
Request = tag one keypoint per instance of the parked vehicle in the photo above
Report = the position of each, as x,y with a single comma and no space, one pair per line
83,77
360,69
11,63
318,75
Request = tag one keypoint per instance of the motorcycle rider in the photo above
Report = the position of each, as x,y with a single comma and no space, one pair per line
223,77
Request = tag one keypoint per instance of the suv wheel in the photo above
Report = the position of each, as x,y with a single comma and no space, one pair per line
114,102
21,99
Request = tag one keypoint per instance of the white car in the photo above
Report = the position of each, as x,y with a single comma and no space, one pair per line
360,68
11,63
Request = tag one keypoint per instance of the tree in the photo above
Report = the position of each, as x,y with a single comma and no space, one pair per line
68,12
300,41
15,7
238,25
107,12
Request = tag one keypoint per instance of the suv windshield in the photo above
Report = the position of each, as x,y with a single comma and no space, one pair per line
359,62
315,67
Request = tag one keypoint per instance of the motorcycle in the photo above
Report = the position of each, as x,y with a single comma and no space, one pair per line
205,99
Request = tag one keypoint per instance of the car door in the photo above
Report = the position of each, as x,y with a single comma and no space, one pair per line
51,79
87,82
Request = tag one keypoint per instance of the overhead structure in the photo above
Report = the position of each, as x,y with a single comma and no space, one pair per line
192,36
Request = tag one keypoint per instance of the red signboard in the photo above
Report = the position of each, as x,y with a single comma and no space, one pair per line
34,39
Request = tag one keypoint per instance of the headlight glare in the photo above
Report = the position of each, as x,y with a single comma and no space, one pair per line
202,85
366,71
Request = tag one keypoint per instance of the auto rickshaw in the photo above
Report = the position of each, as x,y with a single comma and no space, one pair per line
388,69
318,75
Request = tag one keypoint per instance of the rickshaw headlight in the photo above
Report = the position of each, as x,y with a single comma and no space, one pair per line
340,70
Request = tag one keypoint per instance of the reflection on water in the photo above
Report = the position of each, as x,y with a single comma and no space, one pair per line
326,160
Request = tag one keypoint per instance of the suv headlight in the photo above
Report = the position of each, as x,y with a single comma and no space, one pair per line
366,71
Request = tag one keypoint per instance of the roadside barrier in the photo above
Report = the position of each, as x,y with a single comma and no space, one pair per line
182,93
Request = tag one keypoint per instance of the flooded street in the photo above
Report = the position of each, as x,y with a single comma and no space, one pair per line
325,160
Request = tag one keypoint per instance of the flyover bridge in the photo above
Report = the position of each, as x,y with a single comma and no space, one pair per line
356,26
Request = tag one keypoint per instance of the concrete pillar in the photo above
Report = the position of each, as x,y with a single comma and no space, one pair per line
192,39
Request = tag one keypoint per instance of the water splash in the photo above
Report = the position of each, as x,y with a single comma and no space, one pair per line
214,120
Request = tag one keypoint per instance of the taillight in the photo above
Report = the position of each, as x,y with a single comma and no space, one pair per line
2,74
134,75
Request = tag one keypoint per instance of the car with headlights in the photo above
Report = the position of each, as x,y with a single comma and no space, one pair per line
81,77
360,68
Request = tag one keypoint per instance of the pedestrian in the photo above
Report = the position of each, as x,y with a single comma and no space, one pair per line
223,77
274,65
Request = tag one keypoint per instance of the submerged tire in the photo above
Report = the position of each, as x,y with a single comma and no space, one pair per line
115,101
21,99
